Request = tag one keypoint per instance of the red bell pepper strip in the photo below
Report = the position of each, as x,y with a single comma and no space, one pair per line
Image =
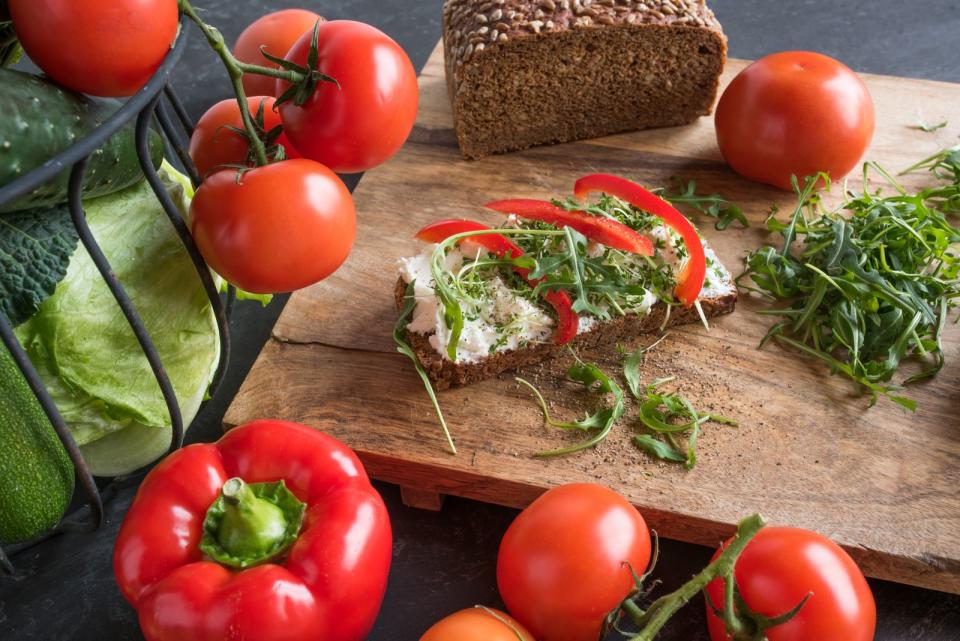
568,323
496,244
213,546
607,231
690,280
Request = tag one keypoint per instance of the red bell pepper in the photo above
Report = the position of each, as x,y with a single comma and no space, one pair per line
690,280
273,533
607,231
568,323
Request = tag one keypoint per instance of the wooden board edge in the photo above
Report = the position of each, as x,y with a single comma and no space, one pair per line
933,574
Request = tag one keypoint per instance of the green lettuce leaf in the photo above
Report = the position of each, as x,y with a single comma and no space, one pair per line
89,357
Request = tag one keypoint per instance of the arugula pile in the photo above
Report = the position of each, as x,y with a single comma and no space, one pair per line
867,286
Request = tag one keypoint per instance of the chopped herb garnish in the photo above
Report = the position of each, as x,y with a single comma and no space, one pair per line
869,284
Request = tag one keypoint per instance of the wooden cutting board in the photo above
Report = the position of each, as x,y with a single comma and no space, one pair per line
883,483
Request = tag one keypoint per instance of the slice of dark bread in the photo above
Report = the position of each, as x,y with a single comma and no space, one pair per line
522,73
445,373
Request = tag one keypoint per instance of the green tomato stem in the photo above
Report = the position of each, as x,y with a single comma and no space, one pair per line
661,610
236,69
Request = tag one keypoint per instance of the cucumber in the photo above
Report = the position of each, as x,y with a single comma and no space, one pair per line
41,120
36,475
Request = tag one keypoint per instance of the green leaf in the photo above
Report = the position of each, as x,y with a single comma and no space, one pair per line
658,449
922,126
35,250
713,205
400,338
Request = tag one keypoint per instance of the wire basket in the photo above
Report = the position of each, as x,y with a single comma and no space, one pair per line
153,103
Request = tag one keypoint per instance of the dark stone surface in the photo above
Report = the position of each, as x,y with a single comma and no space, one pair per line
64,588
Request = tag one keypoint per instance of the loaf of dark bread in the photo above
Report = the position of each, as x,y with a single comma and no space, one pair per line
445,373
522,73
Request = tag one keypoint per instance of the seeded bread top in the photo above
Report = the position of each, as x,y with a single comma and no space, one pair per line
471,26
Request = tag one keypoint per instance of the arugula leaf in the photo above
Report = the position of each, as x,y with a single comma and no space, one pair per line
923,126
592,378
713,205
658,449
631,369
400,338
35,250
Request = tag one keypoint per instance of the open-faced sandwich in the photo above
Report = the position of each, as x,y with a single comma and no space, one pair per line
479,301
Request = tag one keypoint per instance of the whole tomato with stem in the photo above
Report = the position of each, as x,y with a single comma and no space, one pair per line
779,568
477,624
214,143
565,562
96,47
364,121
275,33
794,113
275,228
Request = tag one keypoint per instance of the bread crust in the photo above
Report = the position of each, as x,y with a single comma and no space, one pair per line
445,373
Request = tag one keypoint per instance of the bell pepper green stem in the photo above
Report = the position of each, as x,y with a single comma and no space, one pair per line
251,524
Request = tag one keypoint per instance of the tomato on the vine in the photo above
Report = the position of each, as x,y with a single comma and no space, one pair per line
213,143
781,566
794,113
565,561
95,47
364,121
275,32
278,228
477,624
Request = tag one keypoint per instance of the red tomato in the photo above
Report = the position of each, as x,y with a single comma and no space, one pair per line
96,47
281,227
477,624
562,563
794,113
213,144
779,567
276,32
366,120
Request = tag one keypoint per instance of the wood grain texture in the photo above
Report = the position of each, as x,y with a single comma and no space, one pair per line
881,482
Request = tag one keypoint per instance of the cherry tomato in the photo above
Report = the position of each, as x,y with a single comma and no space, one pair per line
367,119
275,32
794,113
213,144
562,565
477,624
281,227
96,47
779,567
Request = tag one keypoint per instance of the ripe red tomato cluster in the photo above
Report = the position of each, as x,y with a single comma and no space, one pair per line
564,565
269,229
292,223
